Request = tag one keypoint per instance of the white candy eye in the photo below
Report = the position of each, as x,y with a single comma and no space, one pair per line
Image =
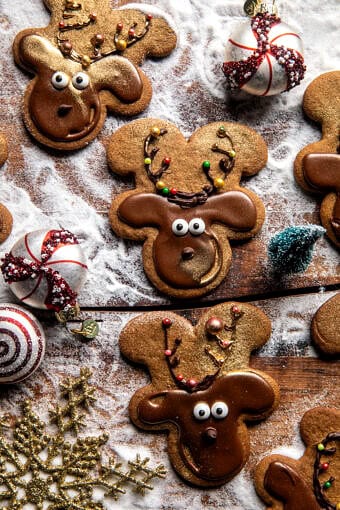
180,227
201,411
60,80
80,81
196,227
219,410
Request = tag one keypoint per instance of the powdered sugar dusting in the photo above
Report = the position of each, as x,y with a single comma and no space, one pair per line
74,191
189,90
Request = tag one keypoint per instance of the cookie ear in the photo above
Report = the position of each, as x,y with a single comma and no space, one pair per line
280,479
318,104
253,330
117,74
317,423
153,206
234,209
36,52
161,39
143,342
256,396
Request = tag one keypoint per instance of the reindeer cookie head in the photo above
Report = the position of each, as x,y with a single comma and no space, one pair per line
201,390
310,482
317,166
85,63
187,203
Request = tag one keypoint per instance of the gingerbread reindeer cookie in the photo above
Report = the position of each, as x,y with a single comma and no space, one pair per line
6,219
317,166
187,202
311,482
202,391
85,63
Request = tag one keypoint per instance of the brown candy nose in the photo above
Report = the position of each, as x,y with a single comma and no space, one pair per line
64,109
188,253
210,435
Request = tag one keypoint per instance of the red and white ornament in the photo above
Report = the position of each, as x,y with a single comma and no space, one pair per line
22,344
264,56
46,269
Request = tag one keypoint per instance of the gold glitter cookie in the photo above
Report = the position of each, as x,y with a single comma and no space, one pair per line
86,62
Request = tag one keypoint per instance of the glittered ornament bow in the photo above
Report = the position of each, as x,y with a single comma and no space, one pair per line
60,296
238,73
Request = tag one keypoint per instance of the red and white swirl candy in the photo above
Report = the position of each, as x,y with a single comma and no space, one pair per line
264,56
22,344
46,269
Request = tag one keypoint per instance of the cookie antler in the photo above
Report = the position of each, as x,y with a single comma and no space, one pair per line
183,198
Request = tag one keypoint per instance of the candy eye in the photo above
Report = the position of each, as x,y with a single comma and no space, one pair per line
59,80
180,227
80,81
219,410
196,227
201,411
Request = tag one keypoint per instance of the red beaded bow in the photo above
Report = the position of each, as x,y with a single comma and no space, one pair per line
239,73
60,296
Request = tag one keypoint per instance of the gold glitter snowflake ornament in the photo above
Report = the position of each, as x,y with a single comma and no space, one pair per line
50,473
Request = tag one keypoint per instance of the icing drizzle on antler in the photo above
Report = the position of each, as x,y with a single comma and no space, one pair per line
319,467
120,42
183,198
190,385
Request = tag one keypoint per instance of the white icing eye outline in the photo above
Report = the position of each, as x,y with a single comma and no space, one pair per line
201,411
220,410
80,81
196,226
180,227
60,80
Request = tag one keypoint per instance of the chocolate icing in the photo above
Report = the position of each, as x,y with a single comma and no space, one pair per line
233,209
322,172
212,449
284,483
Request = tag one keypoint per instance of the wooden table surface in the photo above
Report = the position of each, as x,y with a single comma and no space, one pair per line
45,189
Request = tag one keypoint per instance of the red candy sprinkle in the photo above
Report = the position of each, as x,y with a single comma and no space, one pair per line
191,383
179,377
167,161
120,27
173,191
61,24
166,322
132,33
324,466
149,17
236,309
168,352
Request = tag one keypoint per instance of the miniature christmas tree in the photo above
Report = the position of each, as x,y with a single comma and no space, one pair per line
291,250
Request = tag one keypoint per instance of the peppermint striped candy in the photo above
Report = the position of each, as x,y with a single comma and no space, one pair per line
264,56
49,270
22,344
